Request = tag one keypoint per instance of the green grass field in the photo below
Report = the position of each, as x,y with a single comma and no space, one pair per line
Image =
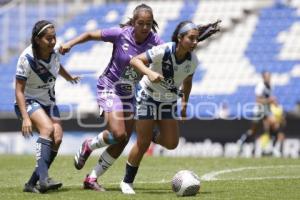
221,178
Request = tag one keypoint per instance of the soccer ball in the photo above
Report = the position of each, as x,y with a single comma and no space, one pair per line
185,183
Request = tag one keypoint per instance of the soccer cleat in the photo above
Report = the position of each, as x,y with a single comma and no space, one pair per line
30,188
92,184
127,188
49,184
82,155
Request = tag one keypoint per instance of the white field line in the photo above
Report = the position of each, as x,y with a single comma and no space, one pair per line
212,176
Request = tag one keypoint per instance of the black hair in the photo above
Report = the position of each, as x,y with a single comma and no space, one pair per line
36,32
136,11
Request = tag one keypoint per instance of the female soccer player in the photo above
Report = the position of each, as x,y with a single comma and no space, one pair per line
115,94
37,70
262,111
171,65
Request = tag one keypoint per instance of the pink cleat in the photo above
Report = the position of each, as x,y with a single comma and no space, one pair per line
82,155
92,184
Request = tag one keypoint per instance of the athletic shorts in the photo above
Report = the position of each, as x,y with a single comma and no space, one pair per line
32,105
108,100
148,108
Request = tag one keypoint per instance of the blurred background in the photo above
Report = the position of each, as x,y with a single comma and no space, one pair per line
256,36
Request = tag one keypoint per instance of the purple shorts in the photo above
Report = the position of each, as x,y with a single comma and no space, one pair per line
110,101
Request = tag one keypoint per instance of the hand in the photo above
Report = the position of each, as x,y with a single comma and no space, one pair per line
75,79
64,48
26,128
155,77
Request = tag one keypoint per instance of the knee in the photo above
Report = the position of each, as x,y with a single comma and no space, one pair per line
47,131
171,145
58,135
57,141
143,145
119,135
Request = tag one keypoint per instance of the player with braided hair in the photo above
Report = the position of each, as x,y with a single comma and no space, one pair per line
171,65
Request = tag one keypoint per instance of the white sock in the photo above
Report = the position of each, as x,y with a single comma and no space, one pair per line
97,142
105,161
277,149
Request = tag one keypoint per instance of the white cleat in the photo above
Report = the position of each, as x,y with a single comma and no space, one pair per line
127,188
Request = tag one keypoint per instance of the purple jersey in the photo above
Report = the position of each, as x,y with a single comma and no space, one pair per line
118,77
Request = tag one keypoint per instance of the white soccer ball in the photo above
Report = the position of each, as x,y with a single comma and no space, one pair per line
186,183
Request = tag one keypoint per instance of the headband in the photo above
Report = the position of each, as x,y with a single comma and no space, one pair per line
46,26
187,27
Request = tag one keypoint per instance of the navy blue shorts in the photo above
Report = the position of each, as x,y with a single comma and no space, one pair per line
148,108
32,105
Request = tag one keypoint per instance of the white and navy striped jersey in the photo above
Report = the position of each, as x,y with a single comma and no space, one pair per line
261,90
264,91
39,75
162,60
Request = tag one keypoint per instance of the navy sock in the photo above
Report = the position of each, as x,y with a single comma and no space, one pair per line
35,177
43,151
130,173
52,157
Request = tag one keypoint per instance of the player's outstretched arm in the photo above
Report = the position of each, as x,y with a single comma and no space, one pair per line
87,36
139,63
68,77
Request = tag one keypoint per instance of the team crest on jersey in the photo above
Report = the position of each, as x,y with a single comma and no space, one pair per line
130,74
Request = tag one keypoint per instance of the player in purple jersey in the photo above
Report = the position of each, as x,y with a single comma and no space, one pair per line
115,88
37,69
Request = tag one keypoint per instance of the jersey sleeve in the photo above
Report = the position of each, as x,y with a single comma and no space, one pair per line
110,34
23,69
156,53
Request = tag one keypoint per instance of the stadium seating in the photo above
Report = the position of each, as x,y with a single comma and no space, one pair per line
257,36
